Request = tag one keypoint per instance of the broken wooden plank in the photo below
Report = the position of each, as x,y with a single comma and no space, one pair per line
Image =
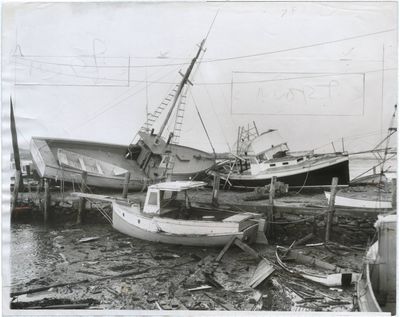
200,288
226,247
227,306
264,270
88,239
246,248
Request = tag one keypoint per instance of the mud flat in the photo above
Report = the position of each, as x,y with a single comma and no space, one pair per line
62,265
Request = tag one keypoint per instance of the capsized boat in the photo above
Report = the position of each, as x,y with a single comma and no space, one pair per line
376,289
261,156
151,158
162,218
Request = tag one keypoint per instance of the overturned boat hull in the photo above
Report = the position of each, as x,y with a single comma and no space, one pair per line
316,173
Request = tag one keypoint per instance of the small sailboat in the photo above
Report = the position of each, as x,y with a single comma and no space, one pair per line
164,219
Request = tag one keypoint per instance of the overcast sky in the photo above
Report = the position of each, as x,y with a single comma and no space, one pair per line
313,70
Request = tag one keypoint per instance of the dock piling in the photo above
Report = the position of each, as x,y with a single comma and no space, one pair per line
215,191
394,193
46,204
331,208
270,209
126,185
82,201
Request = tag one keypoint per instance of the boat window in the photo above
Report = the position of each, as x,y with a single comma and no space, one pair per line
285,163
272,165
300,159
153,199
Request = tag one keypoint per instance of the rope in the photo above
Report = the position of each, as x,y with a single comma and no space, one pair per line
202,123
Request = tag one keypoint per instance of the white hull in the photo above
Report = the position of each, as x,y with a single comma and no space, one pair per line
359,203
181,232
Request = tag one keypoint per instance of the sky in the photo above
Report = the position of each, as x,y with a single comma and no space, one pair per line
316,71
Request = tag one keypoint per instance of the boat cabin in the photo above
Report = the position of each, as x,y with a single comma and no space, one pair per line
160,197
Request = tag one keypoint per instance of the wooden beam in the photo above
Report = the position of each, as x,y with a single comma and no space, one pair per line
46,205
331,208
215,191
82,200
270,208
226,247
126,185
246,248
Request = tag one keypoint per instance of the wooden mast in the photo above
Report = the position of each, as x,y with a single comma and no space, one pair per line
14,138
18,175
182,84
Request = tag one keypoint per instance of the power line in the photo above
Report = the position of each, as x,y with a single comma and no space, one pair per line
243,56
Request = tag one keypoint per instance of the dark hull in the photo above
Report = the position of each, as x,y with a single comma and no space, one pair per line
320,177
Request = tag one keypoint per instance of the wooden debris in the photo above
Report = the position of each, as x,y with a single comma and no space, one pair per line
158,306
335,279
89,239
210,280
200,288
226,247
264,270
226,306
63,306
246,248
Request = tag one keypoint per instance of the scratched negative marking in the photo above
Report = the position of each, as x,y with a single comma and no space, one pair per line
298,93
72,71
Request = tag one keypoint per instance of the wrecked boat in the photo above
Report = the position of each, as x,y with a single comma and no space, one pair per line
332,275
162,218
369,198
261,156
152,158
376,289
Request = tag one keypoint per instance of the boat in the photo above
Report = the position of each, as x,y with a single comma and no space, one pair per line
154,156
376,289
262,156
367,197
164,219
317,271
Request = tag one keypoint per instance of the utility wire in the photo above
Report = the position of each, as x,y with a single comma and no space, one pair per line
256,54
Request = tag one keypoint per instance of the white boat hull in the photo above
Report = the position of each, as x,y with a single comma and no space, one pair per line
187,233
359,203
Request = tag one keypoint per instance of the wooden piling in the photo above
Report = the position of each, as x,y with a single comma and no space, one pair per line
331,208
394,193
270,209
82,201
215,191
46,203
126,185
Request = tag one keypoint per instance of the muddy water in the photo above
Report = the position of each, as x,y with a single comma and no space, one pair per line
114,271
